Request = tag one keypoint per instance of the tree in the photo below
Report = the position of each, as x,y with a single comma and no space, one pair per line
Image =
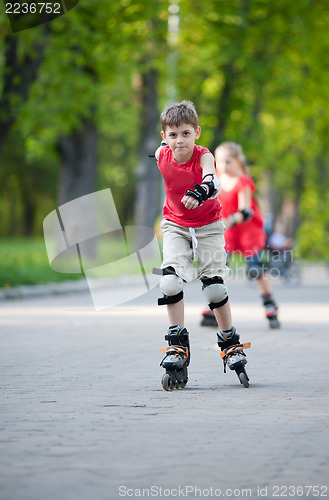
257,70
21,59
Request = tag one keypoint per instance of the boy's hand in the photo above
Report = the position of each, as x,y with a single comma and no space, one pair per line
189,202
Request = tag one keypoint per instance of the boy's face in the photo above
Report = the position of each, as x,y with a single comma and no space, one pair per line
181,140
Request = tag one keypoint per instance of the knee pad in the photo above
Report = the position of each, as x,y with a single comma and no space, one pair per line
215,291
171,286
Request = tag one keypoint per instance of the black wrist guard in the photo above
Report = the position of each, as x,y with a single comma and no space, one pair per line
211,188
199,193
247,213
210,184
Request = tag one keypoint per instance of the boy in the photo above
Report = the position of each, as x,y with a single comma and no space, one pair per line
192,228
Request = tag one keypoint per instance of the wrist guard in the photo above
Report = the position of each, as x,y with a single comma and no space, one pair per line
247,213
199,193
213,185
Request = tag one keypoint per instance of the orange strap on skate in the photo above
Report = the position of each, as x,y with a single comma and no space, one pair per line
174,348
233,348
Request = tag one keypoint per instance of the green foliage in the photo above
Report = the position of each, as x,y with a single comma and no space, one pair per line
25,262
255,70
314,232
28,188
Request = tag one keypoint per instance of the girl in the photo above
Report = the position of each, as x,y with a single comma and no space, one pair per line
244,223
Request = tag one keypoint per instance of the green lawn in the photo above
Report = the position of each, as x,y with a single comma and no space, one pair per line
24,261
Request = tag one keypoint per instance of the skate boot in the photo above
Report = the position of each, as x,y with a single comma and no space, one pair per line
177,358
271,310
232,353
208,318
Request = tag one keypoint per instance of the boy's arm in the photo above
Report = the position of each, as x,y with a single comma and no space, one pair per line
156,154
209,176
209,187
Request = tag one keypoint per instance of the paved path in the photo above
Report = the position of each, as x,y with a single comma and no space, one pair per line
83,415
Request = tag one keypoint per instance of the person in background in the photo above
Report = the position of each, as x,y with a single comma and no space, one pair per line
244,224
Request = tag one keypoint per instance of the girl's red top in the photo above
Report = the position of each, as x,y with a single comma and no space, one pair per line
248,237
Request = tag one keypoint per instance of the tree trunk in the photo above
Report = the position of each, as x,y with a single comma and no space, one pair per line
78,170
29,209
77,178
19,74
147,201
223,106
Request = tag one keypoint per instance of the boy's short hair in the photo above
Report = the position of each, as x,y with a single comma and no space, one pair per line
176,114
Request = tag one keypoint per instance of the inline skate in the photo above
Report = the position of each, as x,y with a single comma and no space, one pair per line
208,318
177,358
271,311
233,355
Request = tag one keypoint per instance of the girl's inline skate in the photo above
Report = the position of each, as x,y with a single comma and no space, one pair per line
177,358
232,353
271,310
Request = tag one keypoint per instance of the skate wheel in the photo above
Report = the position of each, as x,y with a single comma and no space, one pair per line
183,384
177,385
166,382
243,379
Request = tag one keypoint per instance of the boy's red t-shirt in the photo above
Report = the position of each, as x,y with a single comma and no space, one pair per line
249,237
178,177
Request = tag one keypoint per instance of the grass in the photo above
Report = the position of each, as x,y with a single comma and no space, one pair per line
24,261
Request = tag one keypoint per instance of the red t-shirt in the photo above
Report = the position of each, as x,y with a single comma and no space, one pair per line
248,237
178,177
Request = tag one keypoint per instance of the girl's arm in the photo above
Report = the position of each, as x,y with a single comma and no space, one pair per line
244,199
245,211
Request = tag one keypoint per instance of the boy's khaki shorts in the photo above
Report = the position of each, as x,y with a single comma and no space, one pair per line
182,244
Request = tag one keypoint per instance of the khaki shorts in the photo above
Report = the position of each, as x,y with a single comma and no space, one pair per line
181,245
